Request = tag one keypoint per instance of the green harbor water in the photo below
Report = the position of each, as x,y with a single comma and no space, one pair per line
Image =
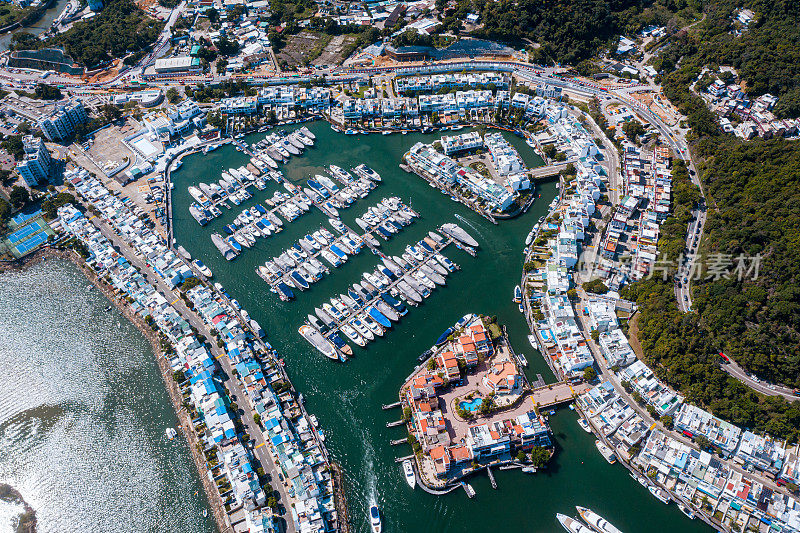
347,398
83,410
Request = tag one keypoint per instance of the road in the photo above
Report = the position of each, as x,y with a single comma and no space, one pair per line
258,444
761,386
607,375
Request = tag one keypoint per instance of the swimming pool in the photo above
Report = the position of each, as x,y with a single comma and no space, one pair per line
472,405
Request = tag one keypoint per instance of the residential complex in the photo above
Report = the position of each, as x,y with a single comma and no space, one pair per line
61,122
36,166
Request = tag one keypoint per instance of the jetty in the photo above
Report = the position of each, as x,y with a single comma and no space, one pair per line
388,406
395,423
362,240
491,477
351,313
397,442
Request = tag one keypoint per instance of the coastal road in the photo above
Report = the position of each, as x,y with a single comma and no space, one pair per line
258,444
607,375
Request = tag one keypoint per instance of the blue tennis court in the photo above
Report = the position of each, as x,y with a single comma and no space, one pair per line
25,231
25,247
21,218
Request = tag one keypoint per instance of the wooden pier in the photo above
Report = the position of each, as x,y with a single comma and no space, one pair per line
398,442
395,423
386,407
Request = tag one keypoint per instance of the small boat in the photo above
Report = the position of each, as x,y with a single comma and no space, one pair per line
375,519
204,270
517,294
606,452
584,425
379,317
572,525
443,337
529,469
284,291
171,433
468,489
205,513
408,471
685,510
662,495
595,521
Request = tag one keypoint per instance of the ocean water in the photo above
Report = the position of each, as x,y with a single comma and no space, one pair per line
83,410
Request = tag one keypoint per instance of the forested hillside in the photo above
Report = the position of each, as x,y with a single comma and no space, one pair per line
755,187
120,29
568,31
753,193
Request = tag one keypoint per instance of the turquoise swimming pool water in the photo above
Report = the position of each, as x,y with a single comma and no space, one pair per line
472,405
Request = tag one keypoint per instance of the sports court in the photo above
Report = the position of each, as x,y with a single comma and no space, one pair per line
29,231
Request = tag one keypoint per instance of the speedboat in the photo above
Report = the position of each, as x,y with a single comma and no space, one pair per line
685,510
660,494
375,519
373,326
353,335
362,329
204,270
379,317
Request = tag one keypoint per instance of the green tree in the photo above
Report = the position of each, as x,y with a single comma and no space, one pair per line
19,196
539,456
173,96
589,374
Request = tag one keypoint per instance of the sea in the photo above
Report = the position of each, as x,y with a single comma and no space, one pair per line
83,414
347,398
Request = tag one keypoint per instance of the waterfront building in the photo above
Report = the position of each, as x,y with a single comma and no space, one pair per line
761,452
239,105
464,142
615,348
292,441
435,82
177,65
60,123
502,378
36,165
694,421
652,391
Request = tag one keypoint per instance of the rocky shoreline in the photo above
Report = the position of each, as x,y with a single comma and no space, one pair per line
26,522
217,505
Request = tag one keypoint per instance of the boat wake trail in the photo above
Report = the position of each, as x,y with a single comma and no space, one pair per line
467,222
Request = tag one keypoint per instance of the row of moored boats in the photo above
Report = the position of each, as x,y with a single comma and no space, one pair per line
371,305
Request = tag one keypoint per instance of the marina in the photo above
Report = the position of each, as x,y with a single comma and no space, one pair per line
349,403
301,265
373,303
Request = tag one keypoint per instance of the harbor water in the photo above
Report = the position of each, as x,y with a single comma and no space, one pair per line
41,25
347,398
83,414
